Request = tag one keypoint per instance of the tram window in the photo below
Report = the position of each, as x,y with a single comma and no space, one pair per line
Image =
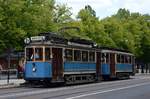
38,54
91,56
68,54
107,58
122,59
29,53
77,55
118,58
130,59
47,54
126,59
103,57
84,55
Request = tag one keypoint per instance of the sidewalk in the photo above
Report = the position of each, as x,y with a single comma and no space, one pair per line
12,83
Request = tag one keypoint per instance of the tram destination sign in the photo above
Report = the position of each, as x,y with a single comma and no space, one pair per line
37,38
34,38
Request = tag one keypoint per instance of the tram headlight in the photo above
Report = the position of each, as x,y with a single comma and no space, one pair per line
34,69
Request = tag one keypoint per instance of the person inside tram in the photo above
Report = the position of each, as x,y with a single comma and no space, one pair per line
36,55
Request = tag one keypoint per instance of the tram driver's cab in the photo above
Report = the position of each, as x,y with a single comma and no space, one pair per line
43,62
38,62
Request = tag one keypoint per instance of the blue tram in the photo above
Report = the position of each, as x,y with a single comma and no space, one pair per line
51,58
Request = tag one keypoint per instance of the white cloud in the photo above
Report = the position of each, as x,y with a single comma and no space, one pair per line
105,8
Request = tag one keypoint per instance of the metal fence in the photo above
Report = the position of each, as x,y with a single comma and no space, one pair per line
11,72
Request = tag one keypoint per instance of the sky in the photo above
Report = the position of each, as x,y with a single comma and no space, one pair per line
106,8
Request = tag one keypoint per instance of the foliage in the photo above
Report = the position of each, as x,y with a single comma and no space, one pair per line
124,30
22,18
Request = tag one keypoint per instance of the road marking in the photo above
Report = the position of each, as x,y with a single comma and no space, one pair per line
105,91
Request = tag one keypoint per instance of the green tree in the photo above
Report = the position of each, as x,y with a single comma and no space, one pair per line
92,27
19,18
62,14
122,14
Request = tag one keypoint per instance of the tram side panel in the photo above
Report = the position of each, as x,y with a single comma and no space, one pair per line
124,68
78,72
124,65
38,71
105,70
78,67
105,65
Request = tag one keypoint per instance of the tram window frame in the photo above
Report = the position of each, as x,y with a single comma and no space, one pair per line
28,56
77,55
39,54
70,57
91,56
48,54
85,56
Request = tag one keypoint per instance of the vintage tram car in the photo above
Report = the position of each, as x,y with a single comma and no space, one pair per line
51,58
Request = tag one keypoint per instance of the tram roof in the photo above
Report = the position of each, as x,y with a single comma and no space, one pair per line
55,39
115,50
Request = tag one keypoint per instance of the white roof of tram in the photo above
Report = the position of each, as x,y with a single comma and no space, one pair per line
115,51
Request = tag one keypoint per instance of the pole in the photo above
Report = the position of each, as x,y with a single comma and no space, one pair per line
8,74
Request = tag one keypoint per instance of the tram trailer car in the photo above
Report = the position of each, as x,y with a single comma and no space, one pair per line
116,64
53,59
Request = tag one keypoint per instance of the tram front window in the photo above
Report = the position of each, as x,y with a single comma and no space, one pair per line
38,55
48,54
34,54
29,53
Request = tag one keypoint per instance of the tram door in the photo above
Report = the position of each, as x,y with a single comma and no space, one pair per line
112,64
57,63
98,65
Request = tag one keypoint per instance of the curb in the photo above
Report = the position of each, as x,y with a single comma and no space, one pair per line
11,85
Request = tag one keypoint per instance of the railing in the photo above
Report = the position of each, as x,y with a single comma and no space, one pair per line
12,74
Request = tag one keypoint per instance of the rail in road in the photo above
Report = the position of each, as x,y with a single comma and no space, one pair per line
86,91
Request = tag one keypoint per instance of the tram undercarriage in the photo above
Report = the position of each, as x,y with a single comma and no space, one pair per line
79,78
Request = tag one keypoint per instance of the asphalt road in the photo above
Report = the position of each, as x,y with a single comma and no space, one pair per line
136,88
